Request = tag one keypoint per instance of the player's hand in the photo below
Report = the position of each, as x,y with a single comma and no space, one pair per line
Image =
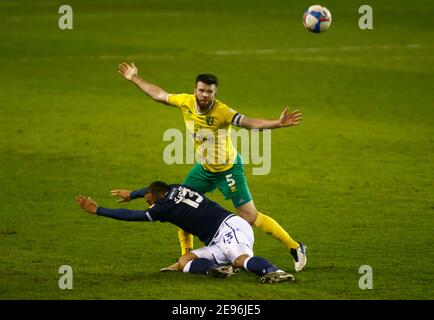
289,120
124,195
87,204
127,71
173,267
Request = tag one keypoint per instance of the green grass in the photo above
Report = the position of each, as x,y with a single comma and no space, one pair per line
354,181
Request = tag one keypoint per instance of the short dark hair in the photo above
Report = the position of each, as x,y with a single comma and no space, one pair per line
207,79
157,188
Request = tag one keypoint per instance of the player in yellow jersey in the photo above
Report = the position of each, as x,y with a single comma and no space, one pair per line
209,120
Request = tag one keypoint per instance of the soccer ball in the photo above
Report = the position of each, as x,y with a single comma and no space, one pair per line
317,19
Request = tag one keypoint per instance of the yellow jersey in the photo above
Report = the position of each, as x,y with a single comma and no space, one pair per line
210,131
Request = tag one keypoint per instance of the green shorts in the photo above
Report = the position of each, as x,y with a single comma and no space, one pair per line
232,183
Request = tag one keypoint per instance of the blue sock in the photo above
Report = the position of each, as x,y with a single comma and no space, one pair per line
201,265
260,266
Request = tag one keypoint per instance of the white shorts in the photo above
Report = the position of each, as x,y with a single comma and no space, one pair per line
233,238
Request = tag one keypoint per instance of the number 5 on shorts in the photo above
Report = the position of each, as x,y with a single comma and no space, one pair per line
230,180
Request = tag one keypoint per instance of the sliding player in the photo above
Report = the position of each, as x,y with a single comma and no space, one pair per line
228,238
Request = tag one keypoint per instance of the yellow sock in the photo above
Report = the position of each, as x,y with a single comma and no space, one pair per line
269,225
185,240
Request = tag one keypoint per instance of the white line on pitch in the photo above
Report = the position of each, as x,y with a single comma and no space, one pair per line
314,49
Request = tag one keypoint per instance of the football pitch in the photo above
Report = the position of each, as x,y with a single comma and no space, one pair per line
354,182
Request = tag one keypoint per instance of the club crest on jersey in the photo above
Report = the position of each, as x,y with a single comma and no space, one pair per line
209,120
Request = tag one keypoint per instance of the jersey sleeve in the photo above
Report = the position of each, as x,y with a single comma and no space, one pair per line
154,213
123,214
177,100
231,116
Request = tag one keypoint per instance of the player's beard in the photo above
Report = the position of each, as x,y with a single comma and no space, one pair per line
203,106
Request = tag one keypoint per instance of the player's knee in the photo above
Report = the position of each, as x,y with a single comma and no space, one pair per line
248,215
248,212
183,260
239,262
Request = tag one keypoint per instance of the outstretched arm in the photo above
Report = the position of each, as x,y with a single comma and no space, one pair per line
130,72
285,120
90,206
127,195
